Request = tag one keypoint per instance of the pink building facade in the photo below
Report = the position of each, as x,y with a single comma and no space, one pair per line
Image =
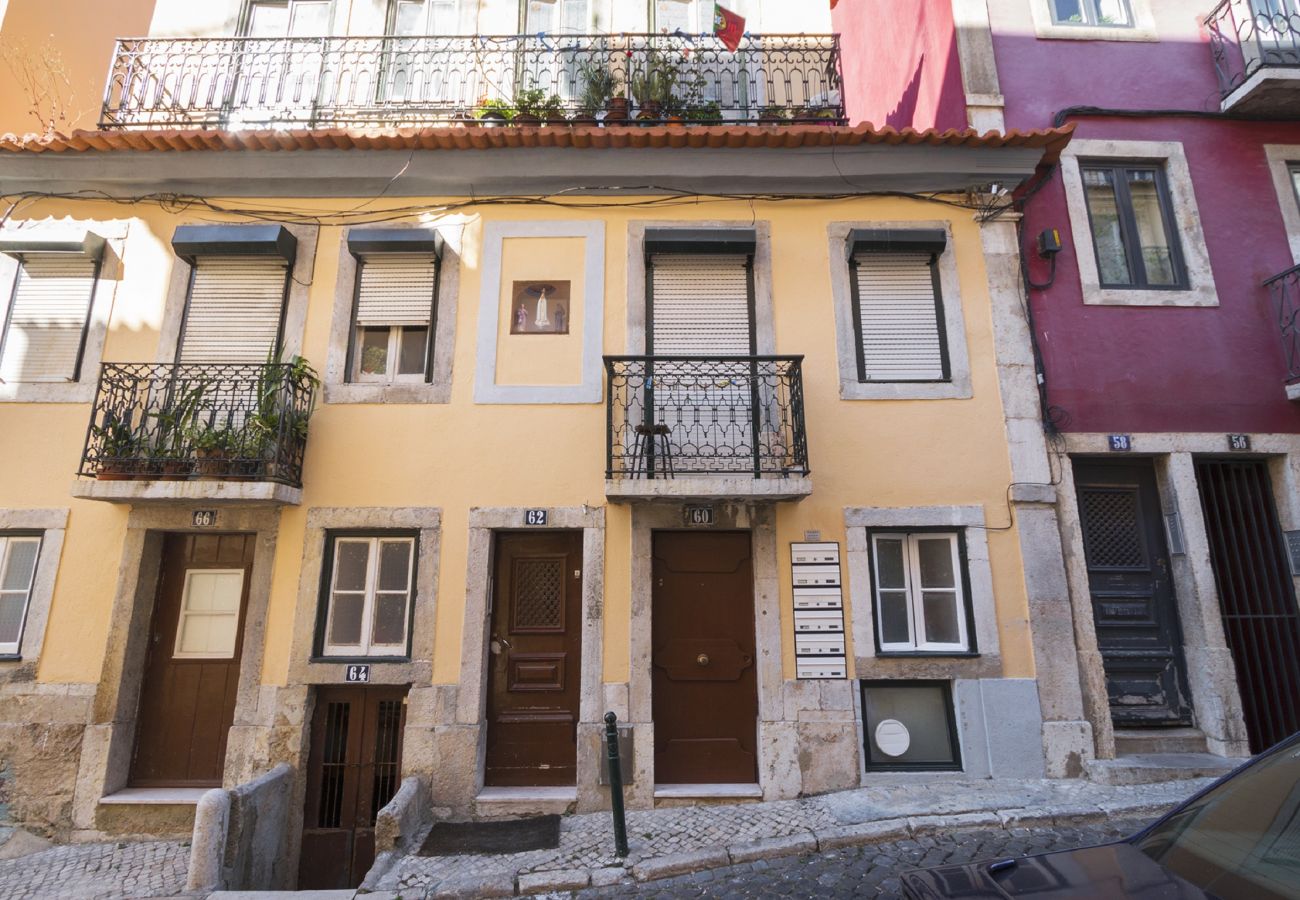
1165,329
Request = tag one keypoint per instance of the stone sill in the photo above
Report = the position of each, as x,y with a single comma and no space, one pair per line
705,487
1271,92
708,792
1293,391
167,493
175,796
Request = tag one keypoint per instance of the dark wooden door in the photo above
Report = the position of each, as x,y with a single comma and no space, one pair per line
1256,595
353,769
705,701
1133,603
191,670
535,660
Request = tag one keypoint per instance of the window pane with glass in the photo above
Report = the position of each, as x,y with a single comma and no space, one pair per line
394,317
1105,13
369,596
17,573
1131,219
920,602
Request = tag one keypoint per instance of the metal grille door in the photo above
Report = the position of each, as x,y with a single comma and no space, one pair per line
1256,595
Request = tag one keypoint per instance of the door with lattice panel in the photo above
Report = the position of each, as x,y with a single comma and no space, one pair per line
1134,609
534,660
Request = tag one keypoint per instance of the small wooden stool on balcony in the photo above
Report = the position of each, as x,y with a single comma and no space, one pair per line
651,441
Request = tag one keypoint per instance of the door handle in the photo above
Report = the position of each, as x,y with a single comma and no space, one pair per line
702,659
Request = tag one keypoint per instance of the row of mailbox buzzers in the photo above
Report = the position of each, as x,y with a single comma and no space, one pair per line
818,611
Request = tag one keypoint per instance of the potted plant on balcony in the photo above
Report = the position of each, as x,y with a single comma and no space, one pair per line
213,448
704,113
280,426
772,114
530,105
170,452
493,112
552,112
118,450
598,88
653,86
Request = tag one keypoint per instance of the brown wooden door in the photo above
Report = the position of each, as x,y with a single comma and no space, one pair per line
535,660
353,770
191,671
705,684
1257,600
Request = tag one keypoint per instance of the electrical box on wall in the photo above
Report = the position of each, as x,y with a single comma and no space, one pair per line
819,643
1049,242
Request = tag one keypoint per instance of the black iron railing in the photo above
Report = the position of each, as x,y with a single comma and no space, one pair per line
1284,292
176,422
1244,40
335,81
702,415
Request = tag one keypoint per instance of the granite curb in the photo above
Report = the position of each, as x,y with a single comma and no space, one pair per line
801,844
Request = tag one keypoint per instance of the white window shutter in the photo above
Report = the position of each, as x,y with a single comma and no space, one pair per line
234,309
700,304
898,314
397,289
47,320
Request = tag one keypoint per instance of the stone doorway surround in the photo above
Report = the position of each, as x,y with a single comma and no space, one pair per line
1212,678
458,741
109,739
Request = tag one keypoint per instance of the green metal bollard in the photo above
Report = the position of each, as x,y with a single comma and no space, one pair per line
615,784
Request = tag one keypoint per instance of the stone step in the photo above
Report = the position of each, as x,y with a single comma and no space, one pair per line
1134,741
522,802
1146,768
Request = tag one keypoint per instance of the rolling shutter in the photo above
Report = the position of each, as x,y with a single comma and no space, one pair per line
899,318
234,309
47,321
396,289
700,305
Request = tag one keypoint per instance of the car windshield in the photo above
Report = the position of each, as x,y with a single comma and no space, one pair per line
1243,838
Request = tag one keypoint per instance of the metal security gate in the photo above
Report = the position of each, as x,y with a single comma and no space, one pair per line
1256,596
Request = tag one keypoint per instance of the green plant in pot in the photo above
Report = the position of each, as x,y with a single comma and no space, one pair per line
118,449
531,105
598,87
772,115
654,86
213,448
492,112
706,113
279,426
170,450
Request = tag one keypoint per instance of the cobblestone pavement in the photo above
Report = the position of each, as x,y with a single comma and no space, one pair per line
864,872
97,871
586,845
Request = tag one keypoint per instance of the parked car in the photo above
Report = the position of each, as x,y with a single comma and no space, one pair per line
1238,838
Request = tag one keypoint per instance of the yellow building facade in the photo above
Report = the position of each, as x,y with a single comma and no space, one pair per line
729,430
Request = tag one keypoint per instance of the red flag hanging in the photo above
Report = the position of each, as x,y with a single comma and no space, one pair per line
728,26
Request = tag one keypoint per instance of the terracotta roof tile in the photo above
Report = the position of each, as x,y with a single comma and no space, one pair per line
460,137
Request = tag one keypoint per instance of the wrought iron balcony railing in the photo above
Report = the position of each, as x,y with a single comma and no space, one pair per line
338,81
1245,39
699,415
176,422
1284,292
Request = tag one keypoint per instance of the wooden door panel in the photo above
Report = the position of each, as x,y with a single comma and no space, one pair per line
705,687
1135,613
187,703
535,657
353,770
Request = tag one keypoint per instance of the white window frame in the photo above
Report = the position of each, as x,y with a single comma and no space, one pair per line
1200,290
391,376
7,542
1143,27
913,588
365,649
958,385
1092,14
1282,159
185,613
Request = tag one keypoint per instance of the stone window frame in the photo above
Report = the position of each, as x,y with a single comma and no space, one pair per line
1201,291
869,663
437,389
1142,29
958,386
592,387
83,389
301,278
324,523
1281,159
51,524
764,329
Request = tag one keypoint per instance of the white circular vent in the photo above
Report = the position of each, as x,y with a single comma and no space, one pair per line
892,737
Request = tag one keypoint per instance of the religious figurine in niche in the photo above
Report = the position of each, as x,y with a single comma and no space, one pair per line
540,307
